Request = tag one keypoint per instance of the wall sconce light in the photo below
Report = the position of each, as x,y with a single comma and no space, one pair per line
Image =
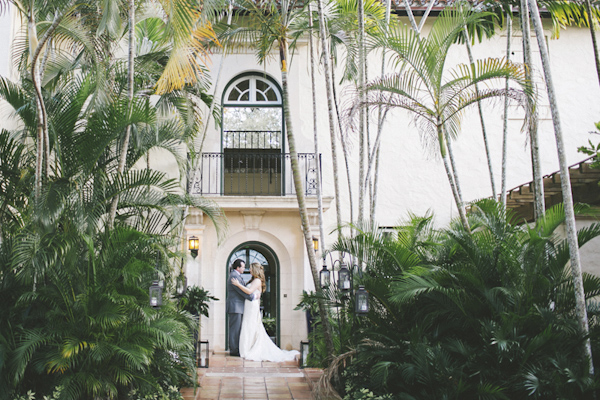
315,241
194,245
203,354
304,350
155,295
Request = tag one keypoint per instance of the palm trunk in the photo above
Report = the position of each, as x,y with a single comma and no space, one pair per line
330,110
411,17
33,45
590,18
344,146
130,85
315,130
455,173
505,120
483,130
449,173
300,197
380,121
42,125
538,185
361,124
580,306
375,182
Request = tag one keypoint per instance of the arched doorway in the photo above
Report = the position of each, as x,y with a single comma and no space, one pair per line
251,252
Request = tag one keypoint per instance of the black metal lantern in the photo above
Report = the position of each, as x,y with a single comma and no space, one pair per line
194,245
203,354
325,276
181,285
315,241
304,349
361,301
155,294
344,279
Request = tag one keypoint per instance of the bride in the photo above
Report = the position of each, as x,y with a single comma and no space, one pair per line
255,343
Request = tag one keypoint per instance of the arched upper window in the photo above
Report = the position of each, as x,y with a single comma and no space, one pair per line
252,114
252,139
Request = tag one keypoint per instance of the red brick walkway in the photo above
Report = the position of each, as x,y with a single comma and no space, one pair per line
234,378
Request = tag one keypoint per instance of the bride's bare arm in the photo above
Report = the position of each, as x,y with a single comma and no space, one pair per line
250,289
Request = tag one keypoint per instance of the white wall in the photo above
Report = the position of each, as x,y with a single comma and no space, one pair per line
5,38
412,178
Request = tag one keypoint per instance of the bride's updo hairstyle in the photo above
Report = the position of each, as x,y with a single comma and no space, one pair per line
258,272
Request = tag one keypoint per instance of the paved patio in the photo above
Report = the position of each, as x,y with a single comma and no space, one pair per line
234,378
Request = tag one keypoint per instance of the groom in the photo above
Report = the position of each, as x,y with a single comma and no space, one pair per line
235,306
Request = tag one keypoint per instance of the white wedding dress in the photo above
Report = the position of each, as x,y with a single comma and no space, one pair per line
255,343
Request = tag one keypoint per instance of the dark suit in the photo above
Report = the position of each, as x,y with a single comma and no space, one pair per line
235,308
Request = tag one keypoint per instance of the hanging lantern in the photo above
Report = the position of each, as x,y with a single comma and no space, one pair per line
194,245
362,301
325,276
344,280
203,354
181,285
304,349
315,241
155,295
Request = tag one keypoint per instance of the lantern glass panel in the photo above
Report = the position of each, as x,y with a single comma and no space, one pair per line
304,349
344,279
203,355
155,295
362,301
325,277
181,285
194,243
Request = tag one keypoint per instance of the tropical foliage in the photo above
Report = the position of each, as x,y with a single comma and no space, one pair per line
79,322
488,314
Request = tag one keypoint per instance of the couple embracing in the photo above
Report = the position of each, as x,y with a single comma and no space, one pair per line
247,335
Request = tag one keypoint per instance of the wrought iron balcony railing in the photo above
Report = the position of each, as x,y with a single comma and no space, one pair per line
252,172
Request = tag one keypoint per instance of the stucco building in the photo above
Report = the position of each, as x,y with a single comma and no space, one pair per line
244,166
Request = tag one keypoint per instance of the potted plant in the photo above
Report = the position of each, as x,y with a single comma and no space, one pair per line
309,303
196,301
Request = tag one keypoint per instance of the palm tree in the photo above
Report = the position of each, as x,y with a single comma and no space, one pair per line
273,25
329,86
352,21
34,10
421,87
580,305
187,29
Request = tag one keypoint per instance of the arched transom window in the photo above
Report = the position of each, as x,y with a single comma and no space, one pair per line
251,89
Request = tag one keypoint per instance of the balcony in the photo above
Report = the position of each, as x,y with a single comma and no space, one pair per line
252,172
